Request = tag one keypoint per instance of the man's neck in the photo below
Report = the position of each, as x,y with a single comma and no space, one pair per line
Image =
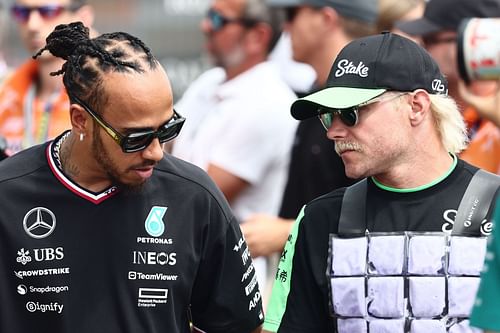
79,167
418,171
233,72
324,58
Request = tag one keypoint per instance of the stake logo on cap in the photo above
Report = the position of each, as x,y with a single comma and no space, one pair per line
345,66
369,66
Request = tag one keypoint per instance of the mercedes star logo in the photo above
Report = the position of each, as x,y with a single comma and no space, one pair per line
39,222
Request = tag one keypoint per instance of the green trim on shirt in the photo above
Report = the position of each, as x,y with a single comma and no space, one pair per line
281,288
418,188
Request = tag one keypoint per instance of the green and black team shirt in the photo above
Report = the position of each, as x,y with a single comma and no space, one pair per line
300,299
152,261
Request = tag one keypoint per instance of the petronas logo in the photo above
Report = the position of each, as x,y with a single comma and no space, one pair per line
154,222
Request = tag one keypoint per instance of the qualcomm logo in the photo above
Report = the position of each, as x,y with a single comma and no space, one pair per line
154,222
39,222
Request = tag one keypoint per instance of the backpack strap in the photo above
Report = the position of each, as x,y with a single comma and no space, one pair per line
475,204
352,219
473,208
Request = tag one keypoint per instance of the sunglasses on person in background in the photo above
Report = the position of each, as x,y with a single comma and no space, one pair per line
291,13
137,141
22,13
431,40
219,21
349,116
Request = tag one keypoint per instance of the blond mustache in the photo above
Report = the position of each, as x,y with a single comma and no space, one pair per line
342,146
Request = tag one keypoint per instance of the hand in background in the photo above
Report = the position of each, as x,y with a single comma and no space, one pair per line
488,106
266,234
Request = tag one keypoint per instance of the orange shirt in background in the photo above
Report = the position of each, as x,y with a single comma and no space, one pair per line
483,150
47,119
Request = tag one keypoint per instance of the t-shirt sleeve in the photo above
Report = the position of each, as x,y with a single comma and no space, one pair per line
298,302
486,308
250,156
226,296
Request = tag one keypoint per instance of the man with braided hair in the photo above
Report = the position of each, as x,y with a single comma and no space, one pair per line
102,231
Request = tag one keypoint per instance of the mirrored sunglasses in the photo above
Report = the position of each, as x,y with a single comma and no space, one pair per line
22,13
350,116
137,141
219,21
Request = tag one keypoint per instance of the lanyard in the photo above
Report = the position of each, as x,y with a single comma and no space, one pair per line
41,132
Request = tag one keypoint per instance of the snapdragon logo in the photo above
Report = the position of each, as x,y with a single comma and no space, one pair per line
23,290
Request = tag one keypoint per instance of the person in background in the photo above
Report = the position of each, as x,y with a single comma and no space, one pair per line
438,30
487,106
4,68
387,254
298,75
33,104
318,30
104,232
393,11
238,128
485,311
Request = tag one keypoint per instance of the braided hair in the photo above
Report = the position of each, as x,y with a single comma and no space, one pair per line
88,60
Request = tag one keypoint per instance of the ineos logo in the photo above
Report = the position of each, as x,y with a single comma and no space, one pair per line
39,222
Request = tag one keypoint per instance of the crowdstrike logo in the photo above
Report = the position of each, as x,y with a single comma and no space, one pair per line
154,222
39,222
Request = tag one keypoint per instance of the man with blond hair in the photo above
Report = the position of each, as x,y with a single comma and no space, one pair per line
387,254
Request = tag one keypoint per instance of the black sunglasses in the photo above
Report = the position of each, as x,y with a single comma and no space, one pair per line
219,21
291,13
430,40
137,141
22,13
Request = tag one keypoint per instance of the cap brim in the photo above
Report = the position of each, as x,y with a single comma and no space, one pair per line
284,3
419,27
333,97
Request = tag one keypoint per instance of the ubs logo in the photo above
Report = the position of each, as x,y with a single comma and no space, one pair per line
39,222
45,254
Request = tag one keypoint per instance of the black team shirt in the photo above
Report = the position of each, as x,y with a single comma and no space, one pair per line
154,261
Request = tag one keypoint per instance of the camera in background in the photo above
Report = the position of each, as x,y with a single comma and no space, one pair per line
478,53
